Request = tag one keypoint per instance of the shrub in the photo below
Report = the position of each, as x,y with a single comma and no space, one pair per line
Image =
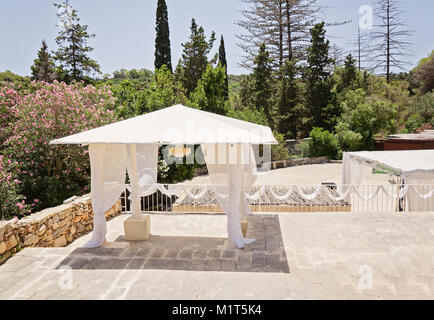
9,97
11,202
52,173
279,151
348,140
322,143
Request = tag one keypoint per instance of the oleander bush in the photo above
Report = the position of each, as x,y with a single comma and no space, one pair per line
52,173
12,203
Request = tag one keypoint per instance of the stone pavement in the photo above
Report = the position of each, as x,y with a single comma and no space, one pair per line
190,253
296,256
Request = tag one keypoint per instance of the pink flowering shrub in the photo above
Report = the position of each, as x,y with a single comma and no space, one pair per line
9,97
11,202
53,173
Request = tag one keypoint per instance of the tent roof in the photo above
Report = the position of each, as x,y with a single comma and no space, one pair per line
405,161
175,125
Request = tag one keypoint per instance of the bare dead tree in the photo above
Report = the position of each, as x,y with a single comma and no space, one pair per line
283,25
389,38
361,49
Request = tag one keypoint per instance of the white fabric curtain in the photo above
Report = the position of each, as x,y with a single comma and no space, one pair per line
142,171
108,163
351,171
232,170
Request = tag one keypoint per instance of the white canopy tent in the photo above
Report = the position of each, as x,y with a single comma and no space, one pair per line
132,146
416,167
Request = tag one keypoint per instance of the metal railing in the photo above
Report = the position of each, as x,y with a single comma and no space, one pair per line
195,198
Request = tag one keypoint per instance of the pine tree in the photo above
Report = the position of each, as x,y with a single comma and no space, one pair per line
162,41
262,73
43,67
194,57
224,64
73,51
283,25
288,99
349,72
318,79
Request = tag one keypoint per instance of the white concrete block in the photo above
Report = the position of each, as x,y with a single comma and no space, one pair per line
137,227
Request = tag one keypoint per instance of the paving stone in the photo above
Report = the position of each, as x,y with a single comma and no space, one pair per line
197,265
212,265
258,259
244,258
165,264
152,264
77,262
185,254
129,252
143,252
171,253
181,264
136,263
273,245
228,265
229,254
214,254
199,254
92,263
107,263
121,264
273,262
107,252
156,253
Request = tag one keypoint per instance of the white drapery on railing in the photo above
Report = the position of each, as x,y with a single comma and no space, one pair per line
173,190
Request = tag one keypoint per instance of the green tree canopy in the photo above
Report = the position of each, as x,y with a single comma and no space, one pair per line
210,93
424,73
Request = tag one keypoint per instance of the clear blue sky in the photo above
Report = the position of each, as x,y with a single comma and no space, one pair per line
125,29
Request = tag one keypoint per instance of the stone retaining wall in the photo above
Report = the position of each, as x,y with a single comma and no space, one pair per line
282,164
52,227
298,162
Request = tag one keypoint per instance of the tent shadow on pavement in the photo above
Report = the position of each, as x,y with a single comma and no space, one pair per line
190,253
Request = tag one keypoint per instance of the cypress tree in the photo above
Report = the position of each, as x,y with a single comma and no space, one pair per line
262,73
162,41
223,62
43,67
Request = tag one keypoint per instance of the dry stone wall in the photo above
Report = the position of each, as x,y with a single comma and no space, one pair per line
52,227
